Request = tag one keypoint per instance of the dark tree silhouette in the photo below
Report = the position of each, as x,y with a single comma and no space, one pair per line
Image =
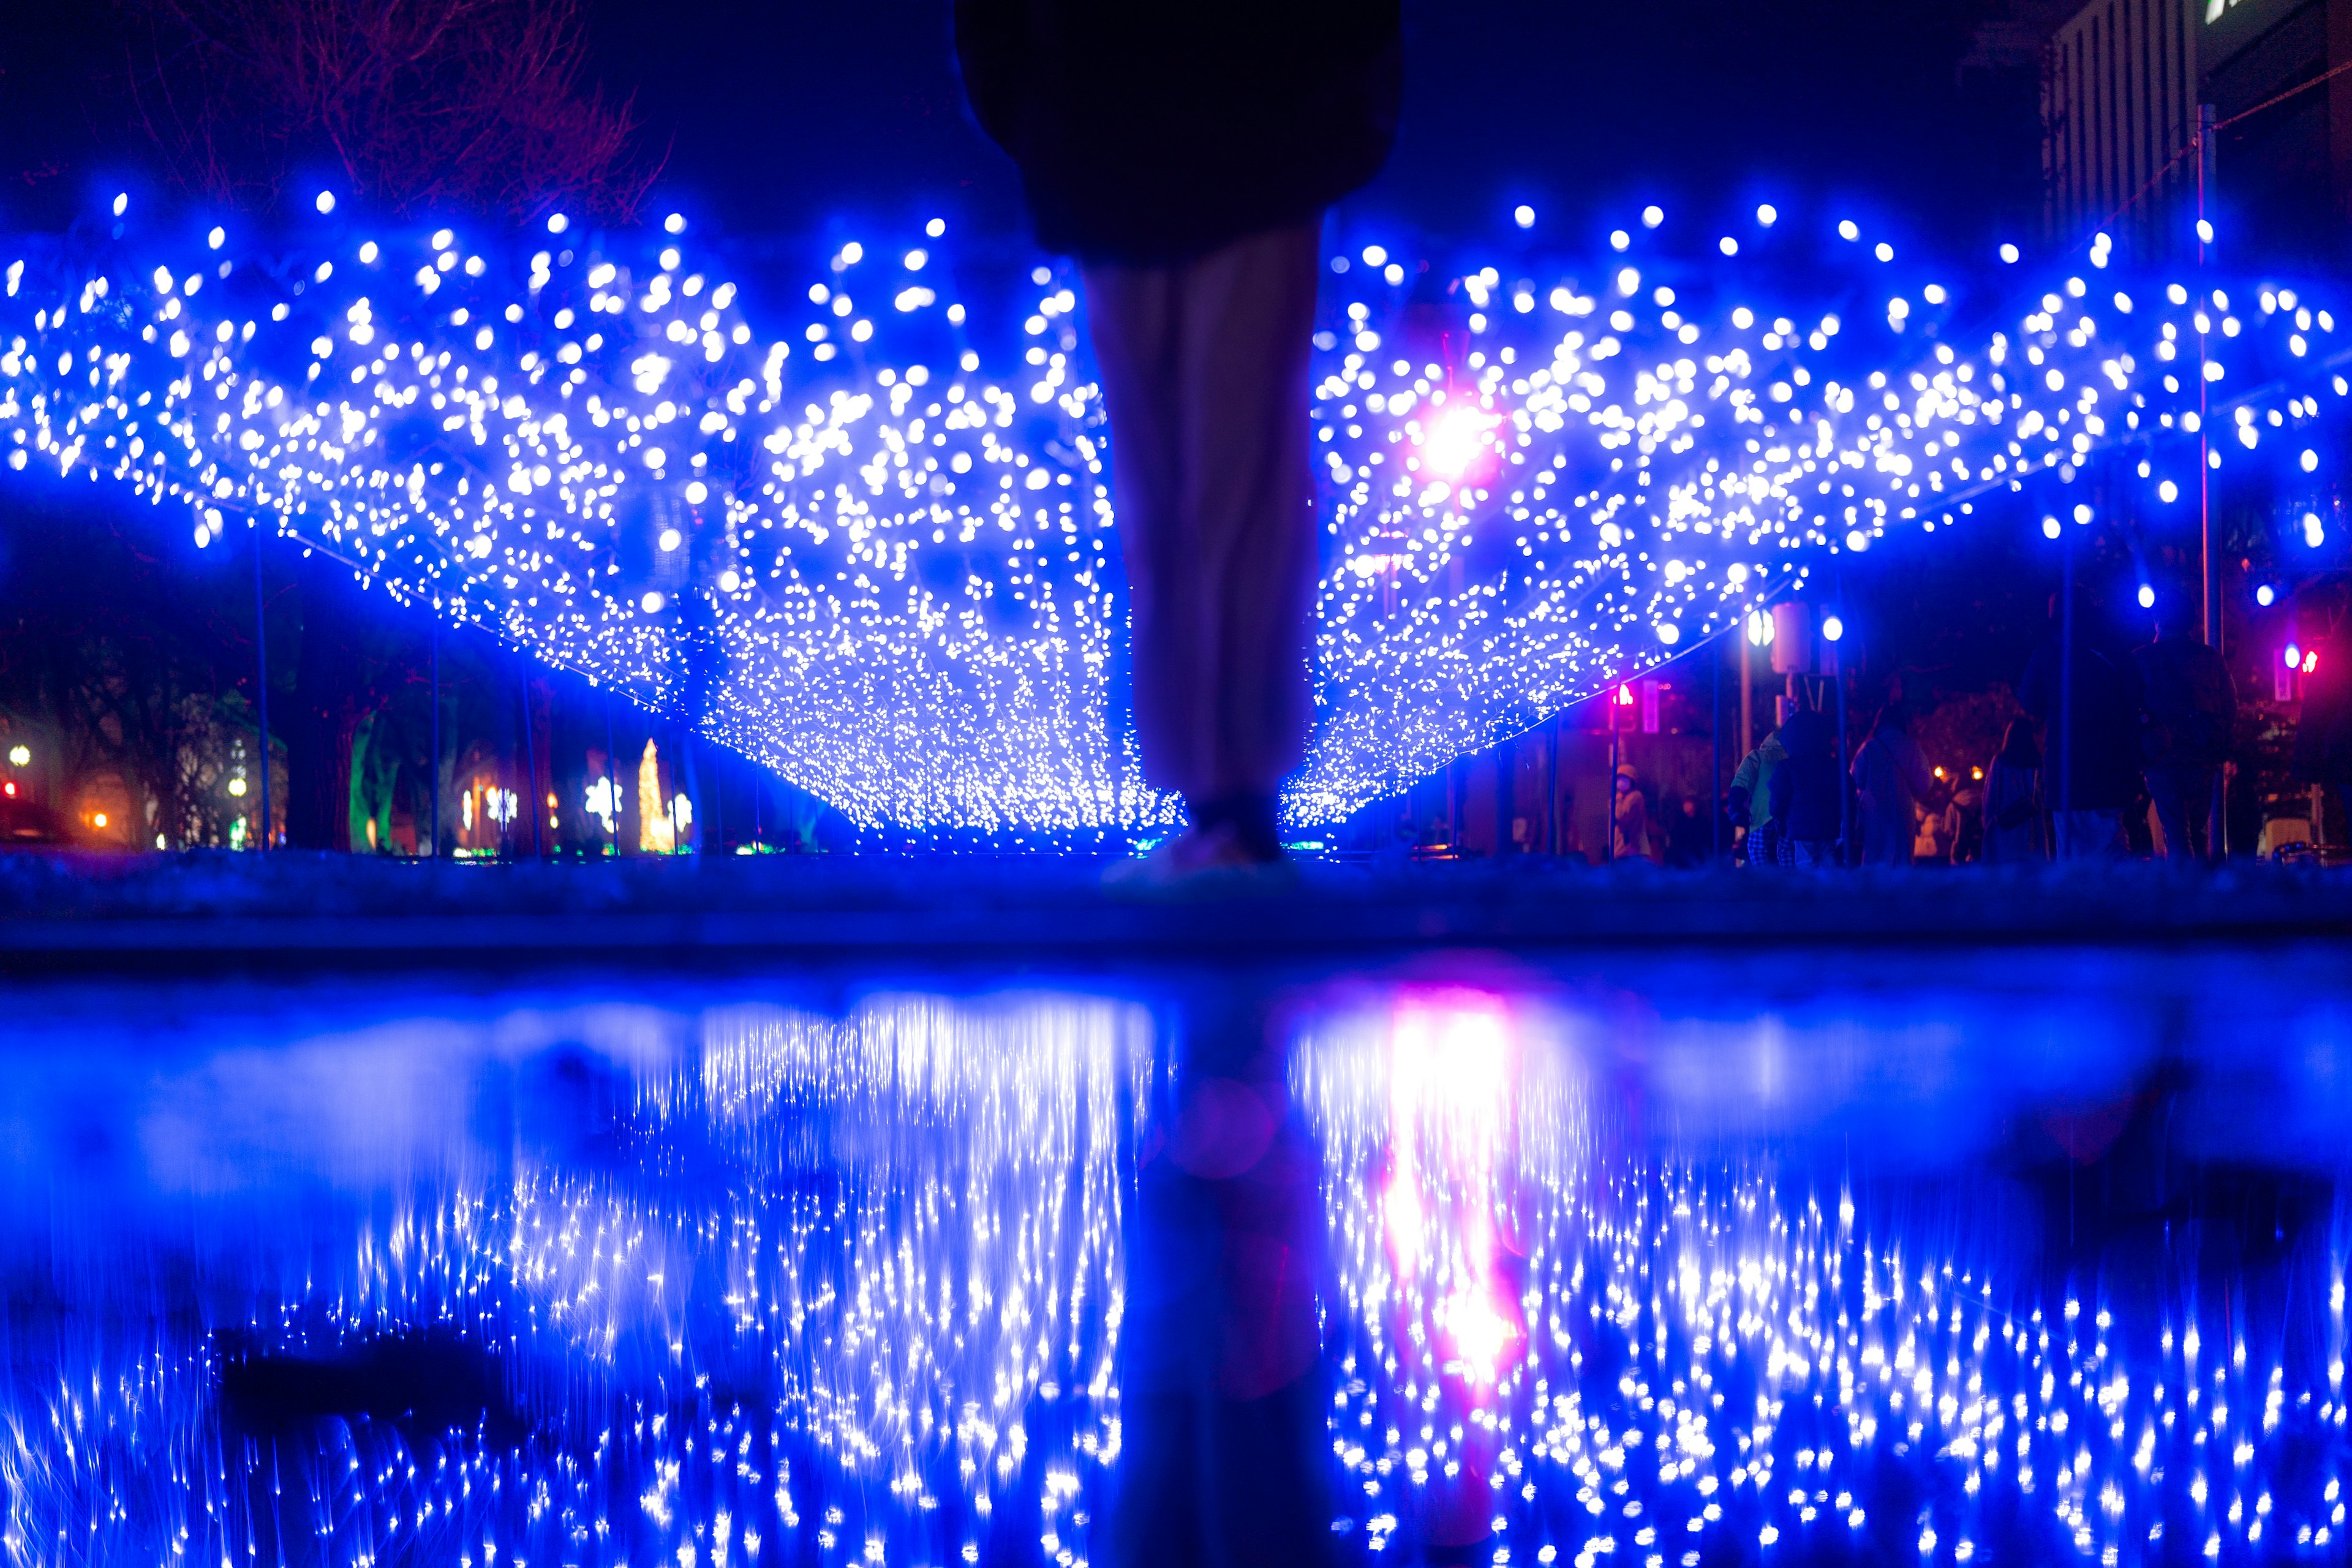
423,105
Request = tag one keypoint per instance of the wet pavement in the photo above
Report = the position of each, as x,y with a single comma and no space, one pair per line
1742,1254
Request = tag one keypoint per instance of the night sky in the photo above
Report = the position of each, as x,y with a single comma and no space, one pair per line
777,117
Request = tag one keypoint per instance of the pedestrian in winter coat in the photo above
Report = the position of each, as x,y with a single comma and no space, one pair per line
1751,802
1890,778
2088,697
2192,717
2013,799
1807,789
1690,835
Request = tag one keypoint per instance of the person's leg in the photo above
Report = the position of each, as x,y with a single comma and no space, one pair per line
1204,370
2066,822
1249,312
1134,317
2176,810
2089,835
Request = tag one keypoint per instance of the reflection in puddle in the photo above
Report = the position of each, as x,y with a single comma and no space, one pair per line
782,1289
1494,1275
1558,1348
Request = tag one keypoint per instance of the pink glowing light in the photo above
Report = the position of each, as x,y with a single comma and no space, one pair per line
1456,442
1451,1106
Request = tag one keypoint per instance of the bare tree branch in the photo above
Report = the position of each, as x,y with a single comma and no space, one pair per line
422,104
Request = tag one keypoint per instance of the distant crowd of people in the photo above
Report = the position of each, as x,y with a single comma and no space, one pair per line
2114,752
2106,733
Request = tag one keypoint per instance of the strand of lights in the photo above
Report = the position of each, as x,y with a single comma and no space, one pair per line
892,578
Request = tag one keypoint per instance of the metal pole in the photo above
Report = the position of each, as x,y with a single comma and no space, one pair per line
1747,695
1845,771
1610,795
1506,764
530,768
433,789
612,774
1714,782
1552,788
262,681
2205,175
2065,801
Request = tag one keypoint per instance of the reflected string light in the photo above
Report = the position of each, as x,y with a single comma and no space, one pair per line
881,1329
1714,1363
840,545
771,1286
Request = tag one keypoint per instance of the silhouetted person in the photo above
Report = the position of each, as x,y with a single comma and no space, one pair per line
1808,799
1632,817
1964,821
1690,837
1186,154
2013,799
1571,838
2192,717
1224,1407
1890,779
2088,698
1750,802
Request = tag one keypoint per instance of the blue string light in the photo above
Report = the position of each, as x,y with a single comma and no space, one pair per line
891,574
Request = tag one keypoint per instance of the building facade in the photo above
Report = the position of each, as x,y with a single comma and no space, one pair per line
2122,81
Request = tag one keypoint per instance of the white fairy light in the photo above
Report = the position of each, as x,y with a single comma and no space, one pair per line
929,551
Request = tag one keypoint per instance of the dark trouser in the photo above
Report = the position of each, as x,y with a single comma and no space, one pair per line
2187,808
1204,373
1813,854
2089,835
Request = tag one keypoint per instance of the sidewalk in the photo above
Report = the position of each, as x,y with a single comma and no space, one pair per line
140,915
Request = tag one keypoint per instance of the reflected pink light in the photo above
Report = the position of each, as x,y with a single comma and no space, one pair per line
1480,1331
1406,1221
1452,1096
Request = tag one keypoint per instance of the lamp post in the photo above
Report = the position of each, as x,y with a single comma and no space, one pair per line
432,786
261,679
2205,173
